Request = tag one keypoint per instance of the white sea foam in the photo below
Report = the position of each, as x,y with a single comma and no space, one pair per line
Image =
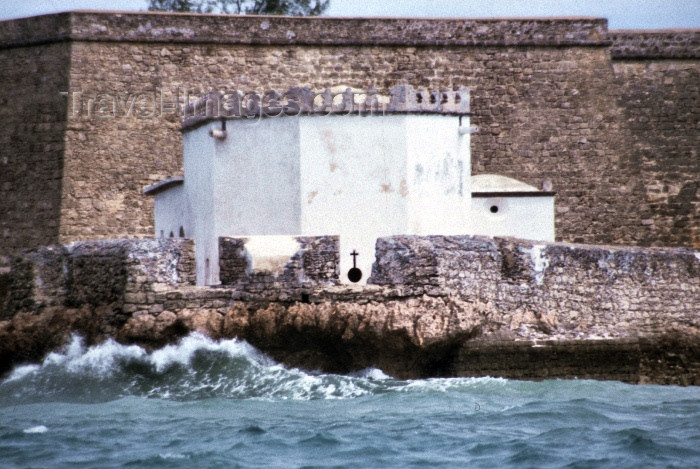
37,429
183,352
374,374
22,371
450,384
204,368
102,358
99,359
173,456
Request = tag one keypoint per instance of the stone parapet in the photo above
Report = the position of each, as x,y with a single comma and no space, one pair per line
553,288
660,44
171,28
401,99
122,273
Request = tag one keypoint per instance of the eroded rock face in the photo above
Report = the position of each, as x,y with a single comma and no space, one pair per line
400,335
408,337
28,336
424,320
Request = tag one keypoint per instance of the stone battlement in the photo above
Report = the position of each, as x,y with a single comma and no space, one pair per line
122,273
401,99
312,262
574,289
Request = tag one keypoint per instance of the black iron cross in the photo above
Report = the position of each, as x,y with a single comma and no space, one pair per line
354,274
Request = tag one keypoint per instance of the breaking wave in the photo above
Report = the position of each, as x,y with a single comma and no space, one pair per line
195,368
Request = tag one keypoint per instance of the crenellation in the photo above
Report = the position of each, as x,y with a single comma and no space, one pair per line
298,101
315,263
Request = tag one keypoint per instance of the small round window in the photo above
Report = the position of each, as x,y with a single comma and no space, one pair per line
494,209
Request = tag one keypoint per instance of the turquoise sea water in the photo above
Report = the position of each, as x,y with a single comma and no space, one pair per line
224,404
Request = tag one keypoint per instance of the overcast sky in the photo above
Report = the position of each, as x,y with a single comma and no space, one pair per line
621,14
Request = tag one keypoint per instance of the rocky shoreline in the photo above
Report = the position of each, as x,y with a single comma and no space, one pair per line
346,337
435,306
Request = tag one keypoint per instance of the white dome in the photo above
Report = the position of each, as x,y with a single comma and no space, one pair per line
498,183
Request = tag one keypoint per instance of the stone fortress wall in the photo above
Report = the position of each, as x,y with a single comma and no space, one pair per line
611,118
658,77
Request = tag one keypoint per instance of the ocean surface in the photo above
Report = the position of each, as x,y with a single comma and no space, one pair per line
224,404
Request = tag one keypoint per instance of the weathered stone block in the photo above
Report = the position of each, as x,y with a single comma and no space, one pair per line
97,273
315,263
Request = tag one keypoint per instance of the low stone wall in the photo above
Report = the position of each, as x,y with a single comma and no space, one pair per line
122,273
566,290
